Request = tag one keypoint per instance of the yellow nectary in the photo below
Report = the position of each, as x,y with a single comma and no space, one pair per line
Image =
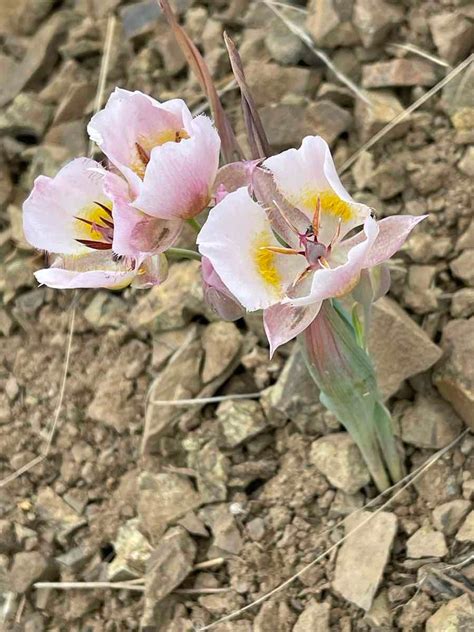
331,204
265,260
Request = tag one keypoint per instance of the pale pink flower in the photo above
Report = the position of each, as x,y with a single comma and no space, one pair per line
289,282
169,158
72,217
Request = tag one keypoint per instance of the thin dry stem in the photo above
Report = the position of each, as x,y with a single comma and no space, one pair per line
306,39
403,115
199,401
410,478
422,53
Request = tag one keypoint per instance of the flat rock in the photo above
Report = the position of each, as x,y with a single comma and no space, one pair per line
384,107
180,379
330,23
455,616
398,72
27,568
239,421
453,35
140,18
426,542
273,616
466,532
374,19
339,459
363,556
448,516
169,564
221,342
430,423
314,618
399,347
454,375
162,499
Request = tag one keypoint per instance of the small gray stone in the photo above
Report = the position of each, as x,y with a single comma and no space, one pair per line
314,618
162,499
170,563
7,537
239,421
466,164
132,552
221,342
339,459
383,108
453,35
328,120
463,267
283,45
294,396
363,556
430,423
226,535
398,72
58,514
374,19
426,542
330,23
27,568
140,18
212,469
448,516
454,376
270,83
455,616
466,532
25,116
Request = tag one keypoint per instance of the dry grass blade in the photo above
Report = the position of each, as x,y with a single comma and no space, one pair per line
230,147
422,53
199,401
51,430
306,39
403,115
408,480
255,132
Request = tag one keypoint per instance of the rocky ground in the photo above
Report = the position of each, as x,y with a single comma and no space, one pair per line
214,506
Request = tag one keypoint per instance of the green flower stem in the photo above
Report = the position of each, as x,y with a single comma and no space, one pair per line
195,225
183,253
348,388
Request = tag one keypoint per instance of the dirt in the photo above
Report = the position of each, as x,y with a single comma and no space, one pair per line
229,500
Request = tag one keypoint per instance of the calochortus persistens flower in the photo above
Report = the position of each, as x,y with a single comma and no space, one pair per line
287,257
71,217
107,228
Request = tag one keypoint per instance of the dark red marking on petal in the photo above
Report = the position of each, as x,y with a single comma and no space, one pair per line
142,154
105,208
95,245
